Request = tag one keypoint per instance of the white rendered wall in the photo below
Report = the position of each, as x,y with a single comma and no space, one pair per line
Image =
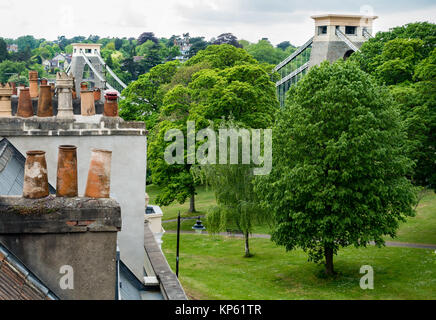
127,181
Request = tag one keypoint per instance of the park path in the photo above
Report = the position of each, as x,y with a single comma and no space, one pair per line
183,218
267,236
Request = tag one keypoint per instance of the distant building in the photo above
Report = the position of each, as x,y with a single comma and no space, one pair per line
12,48
137,58
184,46
61,61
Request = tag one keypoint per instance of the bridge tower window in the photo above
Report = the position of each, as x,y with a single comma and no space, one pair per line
87,50
322,30
350,30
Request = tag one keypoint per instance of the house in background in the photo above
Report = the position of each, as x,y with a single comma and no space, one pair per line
61,61
12,48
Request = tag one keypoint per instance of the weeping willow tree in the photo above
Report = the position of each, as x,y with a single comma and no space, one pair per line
237,204
236,200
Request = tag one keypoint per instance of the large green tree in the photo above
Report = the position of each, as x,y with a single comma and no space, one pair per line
218,83
339,164
3,50
403,58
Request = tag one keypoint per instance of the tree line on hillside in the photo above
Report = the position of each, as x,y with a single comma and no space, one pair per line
127,57
352,146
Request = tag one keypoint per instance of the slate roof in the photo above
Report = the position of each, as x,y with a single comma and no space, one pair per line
17,282
130,288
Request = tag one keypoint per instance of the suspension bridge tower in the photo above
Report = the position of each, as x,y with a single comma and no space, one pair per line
337,36
85,66
88,65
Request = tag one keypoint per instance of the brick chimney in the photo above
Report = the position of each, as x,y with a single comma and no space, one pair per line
59,237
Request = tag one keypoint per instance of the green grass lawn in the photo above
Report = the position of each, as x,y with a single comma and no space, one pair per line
418,229
203,200
422,227
214,268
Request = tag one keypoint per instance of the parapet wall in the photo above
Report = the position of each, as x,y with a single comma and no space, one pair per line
97,125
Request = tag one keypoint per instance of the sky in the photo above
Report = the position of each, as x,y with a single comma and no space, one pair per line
277,20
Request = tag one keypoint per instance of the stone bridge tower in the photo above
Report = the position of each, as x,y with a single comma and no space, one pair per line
338,36
86,65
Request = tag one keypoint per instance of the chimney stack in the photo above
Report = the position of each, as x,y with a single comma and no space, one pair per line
64,237
5,100
64,85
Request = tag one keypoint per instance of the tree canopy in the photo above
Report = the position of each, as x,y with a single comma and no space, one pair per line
339,164
404,59
218,83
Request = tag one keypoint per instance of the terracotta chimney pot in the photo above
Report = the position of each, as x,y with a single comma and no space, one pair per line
87,103
33,83
35,184
45,106
25,108
99,179
66,183
111,104
97,94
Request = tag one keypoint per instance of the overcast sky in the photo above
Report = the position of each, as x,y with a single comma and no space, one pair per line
278,20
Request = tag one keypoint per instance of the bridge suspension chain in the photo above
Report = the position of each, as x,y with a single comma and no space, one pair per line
121,83
95,71
344,38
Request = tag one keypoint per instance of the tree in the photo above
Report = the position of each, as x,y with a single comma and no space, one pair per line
369,55
339,165
227,38
143,98
146,36
197,44
402,58
284,45
237,205
263,51
9,68
219,83
3,50
118,43
19,80
27,42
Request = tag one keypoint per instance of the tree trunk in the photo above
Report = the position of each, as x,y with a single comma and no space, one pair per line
247,247
192,204
328,253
